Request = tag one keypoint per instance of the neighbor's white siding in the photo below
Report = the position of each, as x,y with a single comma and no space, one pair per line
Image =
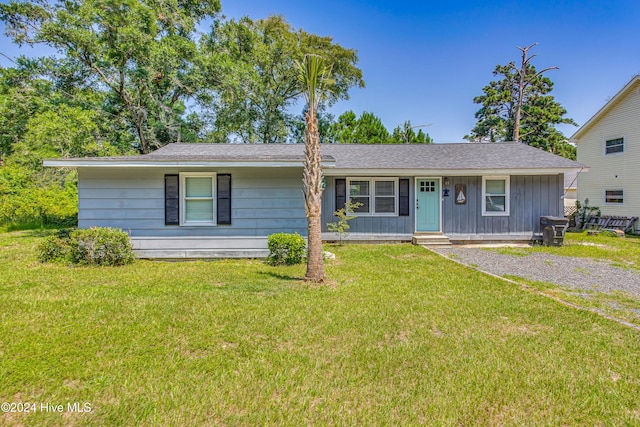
570,197
613,171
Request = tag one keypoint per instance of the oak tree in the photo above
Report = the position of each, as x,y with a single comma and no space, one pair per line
252,65
143,53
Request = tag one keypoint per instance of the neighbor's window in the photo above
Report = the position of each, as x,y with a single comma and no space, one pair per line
377,196
198,198
614,197
614,146
495,196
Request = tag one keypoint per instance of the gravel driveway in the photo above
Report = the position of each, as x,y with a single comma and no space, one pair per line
579,273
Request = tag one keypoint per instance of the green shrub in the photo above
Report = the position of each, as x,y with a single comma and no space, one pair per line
286,249
53,249
584,212
35,199
100,246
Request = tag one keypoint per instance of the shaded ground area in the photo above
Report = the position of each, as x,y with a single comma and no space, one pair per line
578,273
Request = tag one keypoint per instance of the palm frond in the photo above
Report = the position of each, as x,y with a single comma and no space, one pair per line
315,76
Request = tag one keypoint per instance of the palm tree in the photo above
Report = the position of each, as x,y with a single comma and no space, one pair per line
313,74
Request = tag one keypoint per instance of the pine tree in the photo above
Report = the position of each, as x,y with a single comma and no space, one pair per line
518,107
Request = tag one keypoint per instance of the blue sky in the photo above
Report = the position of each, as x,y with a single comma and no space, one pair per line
424,61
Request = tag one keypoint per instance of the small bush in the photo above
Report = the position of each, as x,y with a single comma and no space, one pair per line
286,249
95,246
584,212
53,249
100,246
342,225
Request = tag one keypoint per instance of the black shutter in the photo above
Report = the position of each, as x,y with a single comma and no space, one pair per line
403,197
341,192
171,200
223,189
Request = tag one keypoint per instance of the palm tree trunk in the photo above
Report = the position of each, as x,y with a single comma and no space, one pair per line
312,182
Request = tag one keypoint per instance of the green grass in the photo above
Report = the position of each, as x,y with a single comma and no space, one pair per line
623,252
400,337
618,305
620,252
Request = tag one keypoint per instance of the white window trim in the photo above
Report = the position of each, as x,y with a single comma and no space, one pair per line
183,188
604,196
619,153
507,198
372,195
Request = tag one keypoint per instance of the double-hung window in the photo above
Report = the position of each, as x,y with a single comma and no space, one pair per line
377,196
198,198
614,197
495,196
612,146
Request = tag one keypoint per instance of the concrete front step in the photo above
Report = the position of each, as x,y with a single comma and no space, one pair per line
431,239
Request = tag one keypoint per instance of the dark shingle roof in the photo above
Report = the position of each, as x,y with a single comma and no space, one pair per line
451,157
386,156
231,152
446,156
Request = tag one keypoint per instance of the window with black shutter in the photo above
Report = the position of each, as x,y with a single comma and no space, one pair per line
224,199
377,196
171,200
205,199
341,192
403,197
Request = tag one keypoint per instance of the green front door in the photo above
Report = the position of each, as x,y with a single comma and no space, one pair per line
428,204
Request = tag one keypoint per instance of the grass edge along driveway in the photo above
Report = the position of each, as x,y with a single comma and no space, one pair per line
401,337
620,306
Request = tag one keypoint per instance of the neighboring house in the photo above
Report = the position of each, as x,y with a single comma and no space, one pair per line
570,191
223,200
610,143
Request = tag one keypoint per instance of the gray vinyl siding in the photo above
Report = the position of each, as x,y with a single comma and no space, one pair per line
368,224
531,197
263,201
269,200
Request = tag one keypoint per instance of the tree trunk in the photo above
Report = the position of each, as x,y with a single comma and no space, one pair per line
523,82
139,121
144,145
522,73
312,183
315,263
518,115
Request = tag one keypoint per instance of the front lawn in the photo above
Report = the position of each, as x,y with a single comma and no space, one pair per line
400,337
620,252
624,252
